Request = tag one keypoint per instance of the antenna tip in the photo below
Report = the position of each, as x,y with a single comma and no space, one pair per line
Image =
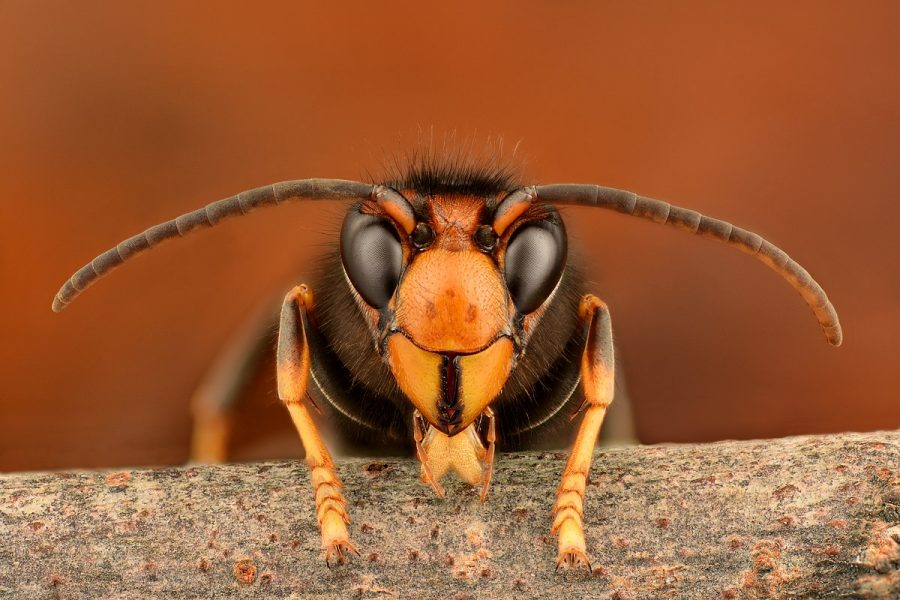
57,305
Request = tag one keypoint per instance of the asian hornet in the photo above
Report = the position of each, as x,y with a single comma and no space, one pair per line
450,315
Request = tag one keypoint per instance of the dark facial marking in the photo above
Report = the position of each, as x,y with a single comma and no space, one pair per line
449,406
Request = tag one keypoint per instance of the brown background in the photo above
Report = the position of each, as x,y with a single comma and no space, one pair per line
781,117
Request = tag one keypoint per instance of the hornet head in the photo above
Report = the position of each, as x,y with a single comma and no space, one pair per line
451,284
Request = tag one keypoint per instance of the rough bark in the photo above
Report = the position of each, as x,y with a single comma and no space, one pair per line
798,517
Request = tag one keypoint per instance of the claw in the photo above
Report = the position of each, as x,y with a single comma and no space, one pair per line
339,550
428,479
333,523
568,509
572,557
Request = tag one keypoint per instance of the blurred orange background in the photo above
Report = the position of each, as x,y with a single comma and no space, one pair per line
780,117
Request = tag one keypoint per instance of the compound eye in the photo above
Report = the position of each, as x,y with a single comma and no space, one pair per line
535,259
372,257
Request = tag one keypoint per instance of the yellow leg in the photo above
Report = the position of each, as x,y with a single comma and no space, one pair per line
597,380
293,377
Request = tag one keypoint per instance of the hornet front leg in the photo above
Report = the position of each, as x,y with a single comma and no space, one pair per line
293,378
597,382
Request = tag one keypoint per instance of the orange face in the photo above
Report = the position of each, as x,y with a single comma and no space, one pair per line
445,320
450,345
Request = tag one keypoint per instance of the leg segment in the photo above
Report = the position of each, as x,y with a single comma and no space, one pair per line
597,381
427,476
293,377
215,399
491,438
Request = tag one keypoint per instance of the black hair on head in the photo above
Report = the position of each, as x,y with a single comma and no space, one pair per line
453,170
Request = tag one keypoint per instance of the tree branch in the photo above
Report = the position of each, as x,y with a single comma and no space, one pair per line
814,516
